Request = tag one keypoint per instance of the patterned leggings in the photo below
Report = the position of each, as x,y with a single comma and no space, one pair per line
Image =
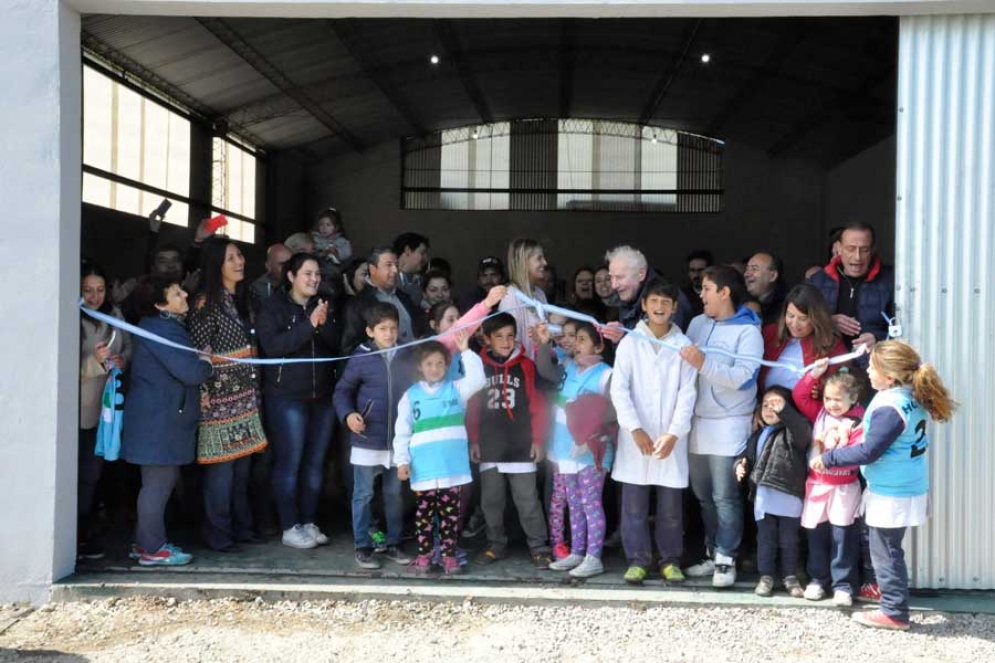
582,493
443,504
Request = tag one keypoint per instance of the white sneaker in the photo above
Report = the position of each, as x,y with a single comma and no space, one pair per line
702,569
591,566
842,599
815,592
312,530
725,571
297,537
567,563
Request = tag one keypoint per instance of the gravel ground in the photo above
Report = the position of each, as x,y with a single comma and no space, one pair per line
156,629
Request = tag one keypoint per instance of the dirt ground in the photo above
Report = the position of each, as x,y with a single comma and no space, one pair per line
158,629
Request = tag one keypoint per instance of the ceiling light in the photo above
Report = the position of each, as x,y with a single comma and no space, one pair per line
654,139
705,58
476,135
434,59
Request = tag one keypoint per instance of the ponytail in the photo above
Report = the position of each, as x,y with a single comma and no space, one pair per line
928,389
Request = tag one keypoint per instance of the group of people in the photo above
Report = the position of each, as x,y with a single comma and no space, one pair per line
814,465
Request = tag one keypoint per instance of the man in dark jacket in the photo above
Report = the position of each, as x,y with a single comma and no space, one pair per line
765,280
381,286
858,288
630,273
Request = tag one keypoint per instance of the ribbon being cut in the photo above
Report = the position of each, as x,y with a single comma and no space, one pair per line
541,309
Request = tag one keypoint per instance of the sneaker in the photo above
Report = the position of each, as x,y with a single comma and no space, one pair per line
591,566
396,555
725,571
765,587
793,587
168,555
312,530
135,552
869,593
379,541
88,550
842,599
474,526
421,564
451,566
672,573
298,537
702,569
365,559
635,575
566,563
488,557
814,592
541,560
877,619
561,551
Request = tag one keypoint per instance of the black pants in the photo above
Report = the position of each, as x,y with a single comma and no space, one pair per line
158,482
777,537
228,516
90,466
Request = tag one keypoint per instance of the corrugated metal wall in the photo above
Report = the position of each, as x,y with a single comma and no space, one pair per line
945,280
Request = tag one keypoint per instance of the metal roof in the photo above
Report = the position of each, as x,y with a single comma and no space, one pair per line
814,88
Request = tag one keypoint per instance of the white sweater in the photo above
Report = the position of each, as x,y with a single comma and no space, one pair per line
654,389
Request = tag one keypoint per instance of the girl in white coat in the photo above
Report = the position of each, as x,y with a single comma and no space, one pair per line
653,391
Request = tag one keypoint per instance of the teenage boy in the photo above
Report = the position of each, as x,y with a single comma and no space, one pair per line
653,391
366,399
507,423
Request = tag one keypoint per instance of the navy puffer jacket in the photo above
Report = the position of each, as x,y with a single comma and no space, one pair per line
372,385
876,295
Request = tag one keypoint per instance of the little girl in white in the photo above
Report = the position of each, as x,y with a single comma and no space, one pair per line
580,471
832,497
431,447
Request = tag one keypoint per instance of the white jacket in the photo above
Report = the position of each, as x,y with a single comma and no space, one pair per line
654,389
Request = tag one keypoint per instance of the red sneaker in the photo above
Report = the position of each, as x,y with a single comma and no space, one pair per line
877,619
561,551
869,593
451,566
421,564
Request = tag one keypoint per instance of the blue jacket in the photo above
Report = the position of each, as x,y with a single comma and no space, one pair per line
372,386
876,296
162,408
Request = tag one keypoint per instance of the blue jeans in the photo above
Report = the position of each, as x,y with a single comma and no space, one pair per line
362,504
228,516
300,433
832,556
892,572
636,529
713,481
777,537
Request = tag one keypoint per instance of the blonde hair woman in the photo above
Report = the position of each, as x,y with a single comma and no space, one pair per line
526,265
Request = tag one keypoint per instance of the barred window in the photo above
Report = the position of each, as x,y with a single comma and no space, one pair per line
572,164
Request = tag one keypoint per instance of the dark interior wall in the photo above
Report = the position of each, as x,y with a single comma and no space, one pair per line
772,203
287,206
119,242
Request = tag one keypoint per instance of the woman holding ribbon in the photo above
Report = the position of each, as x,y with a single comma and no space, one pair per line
526,268
230,428
296,324
803,334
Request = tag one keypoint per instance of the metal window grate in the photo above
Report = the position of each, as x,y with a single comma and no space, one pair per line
565,164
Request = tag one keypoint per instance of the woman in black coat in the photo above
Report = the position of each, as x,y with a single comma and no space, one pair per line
294,323
161,413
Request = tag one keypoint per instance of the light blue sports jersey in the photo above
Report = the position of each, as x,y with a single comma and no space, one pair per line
903,470
439,446
576,384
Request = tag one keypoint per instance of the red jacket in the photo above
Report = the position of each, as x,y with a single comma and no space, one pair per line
773,349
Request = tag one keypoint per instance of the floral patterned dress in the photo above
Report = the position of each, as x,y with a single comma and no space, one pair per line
230,425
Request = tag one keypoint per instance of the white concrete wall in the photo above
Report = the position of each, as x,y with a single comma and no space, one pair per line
39,249
863,189
771,203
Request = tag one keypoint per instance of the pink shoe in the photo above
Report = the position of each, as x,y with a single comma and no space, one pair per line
451,566
421,564
877,619
561,551
869,593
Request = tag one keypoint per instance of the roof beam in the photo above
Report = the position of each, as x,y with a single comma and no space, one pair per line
790,40
233,40
668,76
840,104
568,62
453,53
355,42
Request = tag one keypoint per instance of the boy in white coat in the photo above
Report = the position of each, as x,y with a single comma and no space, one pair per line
653,391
